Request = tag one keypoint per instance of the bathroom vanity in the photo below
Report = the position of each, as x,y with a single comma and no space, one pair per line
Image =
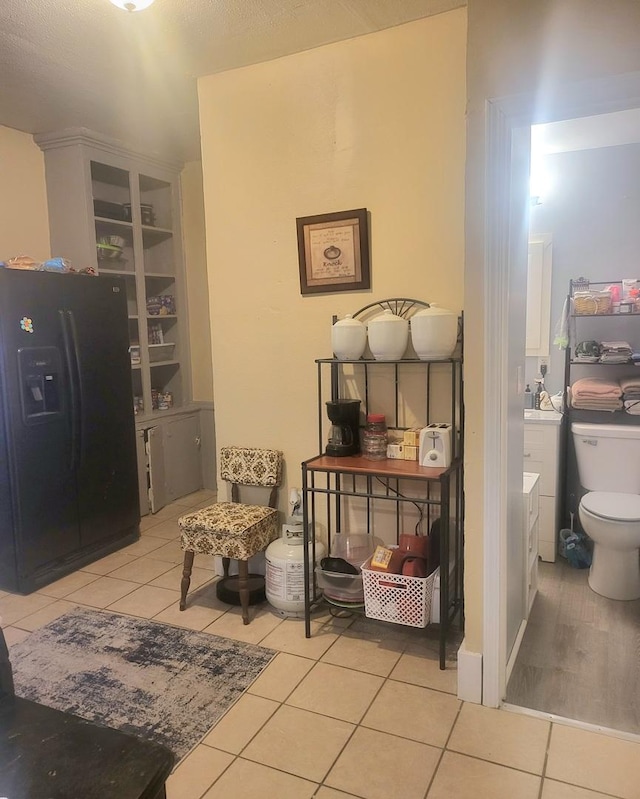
542,455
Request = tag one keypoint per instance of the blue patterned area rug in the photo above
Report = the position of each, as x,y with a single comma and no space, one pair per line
142,677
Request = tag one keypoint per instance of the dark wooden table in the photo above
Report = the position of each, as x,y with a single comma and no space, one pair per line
47,754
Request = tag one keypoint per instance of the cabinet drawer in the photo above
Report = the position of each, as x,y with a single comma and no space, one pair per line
531,501
540,461
541,436
532,541
548,528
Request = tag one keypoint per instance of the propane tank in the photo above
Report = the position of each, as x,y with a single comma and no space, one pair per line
284,580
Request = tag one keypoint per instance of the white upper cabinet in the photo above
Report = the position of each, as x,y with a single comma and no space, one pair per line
119,212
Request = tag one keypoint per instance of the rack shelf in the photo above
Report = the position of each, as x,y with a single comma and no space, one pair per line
599,327
335,487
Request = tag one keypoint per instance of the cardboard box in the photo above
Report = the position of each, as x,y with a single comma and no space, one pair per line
395,451
410,452
412,437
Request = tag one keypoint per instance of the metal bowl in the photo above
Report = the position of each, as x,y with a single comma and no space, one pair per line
108,252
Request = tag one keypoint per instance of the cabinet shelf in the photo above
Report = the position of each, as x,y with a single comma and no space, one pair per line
599,363
154,235
453,359
120,272
386,468
170,276
114,226
605,315
603,417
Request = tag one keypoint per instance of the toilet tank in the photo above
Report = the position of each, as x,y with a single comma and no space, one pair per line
608,456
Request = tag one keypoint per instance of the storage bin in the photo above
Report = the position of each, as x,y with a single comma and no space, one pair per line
160,352
396,598
340,587
592,302
108,210
354,547
435,598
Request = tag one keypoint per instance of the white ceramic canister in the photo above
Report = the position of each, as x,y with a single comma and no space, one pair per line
388,336
434,333
348,338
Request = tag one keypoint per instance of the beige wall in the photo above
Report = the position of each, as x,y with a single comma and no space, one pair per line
195,256
375,122
24,221
519,47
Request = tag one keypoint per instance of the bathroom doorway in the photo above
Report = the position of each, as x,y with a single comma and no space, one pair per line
585,198
554,577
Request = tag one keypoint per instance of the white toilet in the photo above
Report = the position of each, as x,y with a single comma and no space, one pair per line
608,458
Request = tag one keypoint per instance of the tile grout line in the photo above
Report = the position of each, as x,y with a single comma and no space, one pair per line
444,749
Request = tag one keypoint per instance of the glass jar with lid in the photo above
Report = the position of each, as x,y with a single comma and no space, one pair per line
374,437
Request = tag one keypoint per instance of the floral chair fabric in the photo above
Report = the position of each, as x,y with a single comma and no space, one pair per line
254,467
230,529
234,530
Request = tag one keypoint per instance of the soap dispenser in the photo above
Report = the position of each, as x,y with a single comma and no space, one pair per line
538,395
528,398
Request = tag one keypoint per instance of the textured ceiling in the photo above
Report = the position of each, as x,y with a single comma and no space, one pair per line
86,63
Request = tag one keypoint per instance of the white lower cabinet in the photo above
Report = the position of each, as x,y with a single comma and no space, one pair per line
522,567
542,456
170,465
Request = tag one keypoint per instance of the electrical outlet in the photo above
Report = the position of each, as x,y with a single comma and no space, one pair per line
543,362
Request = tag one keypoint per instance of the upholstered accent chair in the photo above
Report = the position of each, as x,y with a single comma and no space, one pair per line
234,530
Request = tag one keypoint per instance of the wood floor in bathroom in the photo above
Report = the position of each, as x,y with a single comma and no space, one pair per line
580,655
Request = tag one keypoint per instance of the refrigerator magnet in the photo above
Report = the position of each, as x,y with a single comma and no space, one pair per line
26,324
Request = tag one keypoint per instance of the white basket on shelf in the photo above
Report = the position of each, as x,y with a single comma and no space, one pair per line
396,598
160,352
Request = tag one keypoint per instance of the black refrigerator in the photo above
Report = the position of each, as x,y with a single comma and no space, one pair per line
68,467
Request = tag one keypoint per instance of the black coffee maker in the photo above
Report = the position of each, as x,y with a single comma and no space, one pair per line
344,434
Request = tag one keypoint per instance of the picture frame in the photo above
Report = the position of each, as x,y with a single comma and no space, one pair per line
333,252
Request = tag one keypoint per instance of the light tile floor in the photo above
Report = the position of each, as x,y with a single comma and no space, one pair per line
360,709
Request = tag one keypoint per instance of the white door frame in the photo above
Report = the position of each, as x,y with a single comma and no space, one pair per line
503,119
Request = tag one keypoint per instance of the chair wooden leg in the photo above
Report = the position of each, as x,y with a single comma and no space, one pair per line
225,567
186,578
243,587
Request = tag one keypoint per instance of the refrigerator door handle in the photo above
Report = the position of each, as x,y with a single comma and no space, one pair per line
69,337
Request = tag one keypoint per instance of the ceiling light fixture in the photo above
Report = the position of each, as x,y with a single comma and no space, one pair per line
132,5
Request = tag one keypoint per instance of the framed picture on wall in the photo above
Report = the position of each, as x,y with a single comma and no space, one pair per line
333,252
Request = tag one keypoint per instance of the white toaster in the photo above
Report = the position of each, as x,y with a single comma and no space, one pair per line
435,445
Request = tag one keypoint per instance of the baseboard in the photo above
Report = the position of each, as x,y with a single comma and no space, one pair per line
469,675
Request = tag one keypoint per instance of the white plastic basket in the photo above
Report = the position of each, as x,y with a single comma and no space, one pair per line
161,352
396,598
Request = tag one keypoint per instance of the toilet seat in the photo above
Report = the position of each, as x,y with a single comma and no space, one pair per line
613,506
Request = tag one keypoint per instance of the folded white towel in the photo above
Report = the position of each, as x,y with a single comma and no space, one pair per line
615,345
629,384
